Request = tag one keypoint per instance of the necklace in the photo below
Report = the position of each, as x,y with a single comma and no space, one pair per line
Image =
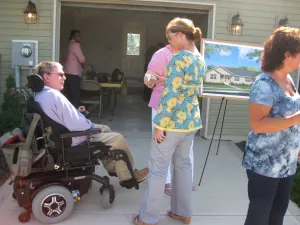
284,82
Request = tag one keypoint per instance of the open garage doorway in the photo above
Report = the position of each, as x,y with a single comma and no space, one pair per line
121,36
117,34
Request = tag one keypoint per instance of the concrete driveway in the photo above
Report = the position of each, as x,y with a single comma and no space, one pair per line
220,200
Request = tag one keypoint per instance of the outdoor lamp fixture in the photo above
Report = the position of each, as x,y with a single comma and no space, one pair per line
236,25
30,13
283,22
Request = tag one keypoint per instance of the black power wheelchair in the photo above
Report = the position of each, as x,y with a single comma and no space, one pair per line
49,173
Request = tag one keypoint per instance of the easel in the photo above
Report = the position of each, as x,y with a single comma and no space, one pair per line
226,98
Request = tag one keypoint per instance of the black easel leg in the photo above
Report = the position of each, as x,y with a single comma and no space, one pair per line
222,126
211,140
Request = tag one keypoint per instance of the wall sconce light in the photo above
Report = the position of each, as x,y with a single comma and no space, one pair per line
236,27
30,13
283,22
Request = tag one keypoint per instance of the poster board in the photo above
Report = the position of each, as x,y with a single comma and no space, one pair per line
231,68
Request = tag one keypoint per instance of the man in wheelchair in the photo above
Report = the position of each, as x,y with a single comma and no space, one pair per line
56,106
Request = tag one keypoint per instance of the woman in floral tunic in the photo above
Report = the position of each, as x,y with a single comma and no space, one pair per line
274,142
176,122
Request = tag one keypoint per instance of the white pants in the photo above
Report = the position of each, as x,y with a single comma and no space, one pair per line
191,155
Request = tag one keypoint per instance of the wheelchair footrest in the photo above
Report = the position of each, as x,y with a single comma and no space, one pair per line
130,183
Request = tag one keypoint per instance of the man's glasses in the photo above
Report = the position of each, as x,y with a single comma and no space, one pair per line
170,36
59,74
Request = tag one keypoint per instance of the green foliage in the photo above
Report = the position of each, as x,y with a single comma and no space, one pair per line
248,68
210,67
11,108
255,55
211,49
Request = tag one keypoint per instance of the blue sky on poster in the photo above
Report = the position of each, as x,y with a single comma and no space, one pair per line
235,57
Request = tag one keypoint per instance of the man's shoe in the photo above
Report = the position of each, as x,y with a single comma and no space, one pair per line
141,175
112,174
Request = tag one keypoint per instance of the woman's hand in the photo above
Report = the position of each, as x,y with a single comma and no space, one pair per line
150,83
151,79
160,81
81,109
159,135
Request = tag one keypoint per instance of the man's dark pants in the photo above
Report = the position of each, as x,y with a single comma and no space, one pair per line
72,89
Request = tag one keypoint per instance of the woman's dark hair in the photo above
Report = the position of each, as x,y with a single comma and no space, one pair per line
283,40
186,27
73,34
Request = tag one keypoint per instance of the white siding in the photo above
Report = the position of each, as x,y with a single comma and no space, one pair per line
12,27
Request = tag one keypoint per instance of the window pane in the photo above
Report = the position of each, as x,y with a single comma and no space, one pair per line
133,44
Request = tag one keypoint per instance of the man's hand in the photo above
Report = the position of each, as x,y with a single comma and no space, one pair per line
81,109
159,135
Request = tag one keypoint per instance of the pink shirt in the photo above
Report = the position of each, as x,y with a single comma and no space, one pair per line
157,64
74,59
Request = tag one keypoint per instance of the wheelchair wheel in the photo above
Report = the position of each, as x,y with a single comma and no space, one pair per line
52,204
106,200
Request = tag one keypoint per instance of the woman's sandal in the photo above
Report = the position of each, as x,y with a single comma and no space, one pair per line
137,221
185,220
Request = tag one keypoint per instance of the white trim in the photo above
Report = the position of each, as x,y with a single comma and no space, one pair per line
136,8
211,35
54,23
56,29
174,4
211,22
206,117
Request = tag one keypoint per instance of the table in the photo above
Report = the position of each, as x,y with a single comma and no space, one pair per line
113,86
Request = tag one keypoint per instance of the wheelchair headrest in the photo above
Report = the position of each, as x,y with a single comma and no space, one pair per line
35,82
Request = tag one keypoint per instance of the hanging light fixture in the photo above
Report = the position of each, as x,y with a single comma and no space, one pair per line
283,22
236,25
30,13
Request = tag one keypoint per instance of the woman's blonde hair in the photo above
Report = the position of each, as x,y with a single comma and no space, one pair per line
186,27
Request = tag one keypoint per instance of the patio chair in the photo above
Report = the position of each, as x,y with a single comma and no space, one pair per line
92,94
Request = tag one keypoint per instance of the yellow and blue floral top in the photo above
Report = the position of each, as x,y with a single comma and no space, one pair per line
178,109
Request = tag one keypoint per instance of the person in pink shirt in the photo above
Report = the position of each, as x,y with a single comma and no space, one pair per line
154,78
73,68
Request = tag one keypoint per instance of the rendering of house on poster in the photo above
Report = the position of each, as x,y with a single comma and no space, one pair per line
231,68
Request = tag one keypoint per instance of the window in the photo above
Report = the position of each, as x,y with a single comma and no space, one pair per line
222,76
248,79
133,44
236,78
213,76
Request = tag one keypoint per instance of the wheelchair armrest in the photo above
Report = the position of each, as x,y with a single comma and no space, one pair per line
81,133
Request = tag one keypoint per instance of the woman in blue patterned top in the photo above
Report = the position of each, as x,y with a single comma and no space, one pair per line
176,122
274,141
